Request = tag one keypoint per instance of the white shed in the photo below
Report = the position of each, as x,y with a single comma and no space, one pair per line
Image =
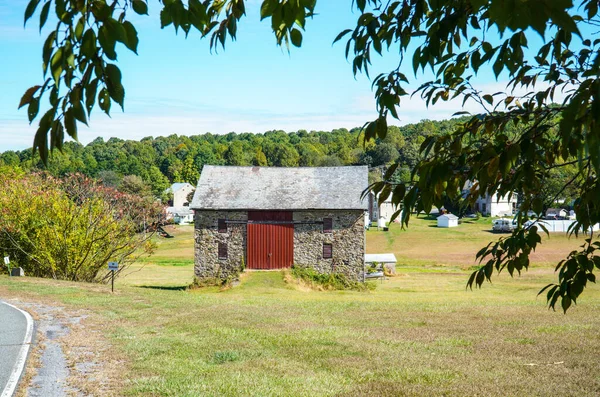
447,220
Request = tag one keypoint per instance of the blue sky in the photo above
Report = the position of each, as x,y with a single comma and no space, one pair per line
175,85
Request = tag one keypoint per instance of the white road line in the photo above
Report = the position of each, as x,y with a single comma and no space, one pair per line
13,380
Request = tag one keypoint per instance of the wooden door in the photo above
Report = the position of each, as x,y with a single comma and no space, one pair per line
270,243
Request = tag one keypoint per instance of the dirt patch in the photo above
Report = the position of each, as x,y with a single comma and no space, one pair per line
70,356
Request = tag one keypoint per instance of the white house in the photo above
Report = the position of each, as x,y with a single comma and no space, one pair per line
385,210
180,192
447,220
180,215
493,205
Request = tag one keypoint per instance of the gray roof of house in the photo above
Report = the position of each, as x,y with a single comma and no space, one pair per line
449,216
384,258
276,188
176,186
180,211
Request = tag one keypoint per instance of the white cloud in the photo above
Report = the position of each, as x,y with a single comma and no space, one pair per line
162,118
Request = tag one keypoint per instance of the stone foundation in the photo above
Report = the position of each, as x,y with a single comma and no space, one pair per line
207,236
347,239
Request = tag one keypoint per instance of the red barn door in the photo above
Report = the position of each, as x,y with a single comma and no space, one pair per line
270,243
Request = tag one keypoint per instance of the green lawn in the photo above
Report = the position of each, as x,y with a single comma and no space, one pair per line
419,333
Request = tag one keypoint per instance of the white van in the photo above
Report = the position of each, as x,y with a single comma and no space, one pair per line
504,225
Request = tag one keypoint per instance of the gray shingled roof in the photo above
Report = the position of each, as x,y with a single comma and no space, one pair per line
275,188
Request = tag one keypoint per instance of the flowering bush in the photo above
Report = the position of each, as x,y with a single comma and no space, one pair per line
69,228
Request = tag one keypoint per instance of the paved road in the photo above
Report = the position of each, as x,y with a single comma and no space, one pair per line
13,331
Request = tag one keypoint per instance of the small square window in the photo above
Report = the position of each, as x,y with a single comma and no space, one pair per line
327,225
222,250
222,226
327,251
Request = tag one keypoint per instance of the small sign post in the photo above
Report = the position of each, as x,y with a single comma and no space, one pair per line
112,266
7,263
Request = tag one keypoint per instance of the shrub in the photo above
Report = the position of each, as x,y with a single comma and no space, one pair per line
70,228
331,281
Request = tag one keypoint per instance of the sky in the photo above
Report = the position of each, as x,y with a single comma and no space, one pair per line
176,86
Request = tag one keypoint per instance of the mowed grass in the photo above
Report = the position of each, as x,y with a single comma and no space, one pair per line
171,264
423,246
417,334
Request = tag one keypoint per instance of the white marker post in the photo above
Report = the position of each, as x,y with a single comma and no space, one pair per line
112,266
7,263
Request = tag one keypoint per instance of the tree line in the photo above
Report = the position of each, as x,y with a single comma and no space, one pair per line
150,165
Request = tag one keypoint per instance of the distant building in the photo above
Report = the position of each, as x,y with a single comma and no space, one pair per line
447,220
274,217
180,215
385,210
493,205
180,193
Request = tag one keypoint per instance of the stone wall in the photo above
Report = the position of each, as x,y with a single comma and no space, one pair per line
207,239
347,240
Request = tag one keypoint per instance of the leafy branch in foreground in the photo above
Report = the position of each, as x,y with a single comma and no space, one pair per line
548,115
80,54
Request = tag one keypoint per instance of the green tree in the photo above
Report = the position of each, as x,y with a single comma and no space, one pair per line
235,154
70,228
133,184
157,181
452,38
189,172
109,179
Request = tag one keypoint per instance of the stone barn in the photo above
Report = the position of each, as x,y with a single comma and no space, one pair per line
273,218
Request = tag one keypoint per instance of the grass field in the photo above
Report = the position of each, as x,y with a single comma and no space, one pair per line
419,333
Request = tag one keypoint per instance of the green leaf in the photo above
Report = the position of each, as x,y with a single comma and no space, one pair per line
488,98
57,136
140,7
107,42
131,40
33,109
104,101
70,123
341,35
296,37
56,65
545,288
471,280
79,28
113,73
44,15
90,95
88,44
30,9
566,303
267,8
480,277
116,29
79,112
165,17
398,195
47,51
40,142
390,171
28,95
